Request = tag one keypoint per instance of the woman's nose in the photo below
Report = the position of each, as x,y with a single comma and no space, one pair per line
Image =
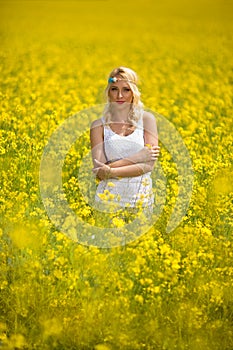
119,93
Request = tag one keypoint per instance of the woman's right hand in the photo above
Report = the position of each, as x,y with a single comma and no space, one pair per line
147,154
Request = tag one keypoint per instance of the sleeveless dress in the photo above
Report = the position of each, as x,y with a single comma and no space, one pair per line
126,191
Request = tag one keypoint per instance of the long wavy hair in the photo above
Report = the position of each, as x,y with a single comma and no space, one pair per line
136,106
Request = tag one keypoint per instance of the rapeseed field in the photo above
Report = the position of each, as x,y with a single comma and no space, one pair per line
163,290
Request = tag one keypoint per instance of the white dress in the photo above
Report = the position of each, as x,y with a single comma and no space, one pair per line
126,191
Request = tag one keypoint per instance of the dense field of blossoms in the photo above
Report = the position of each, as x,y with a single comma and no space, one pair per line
164,290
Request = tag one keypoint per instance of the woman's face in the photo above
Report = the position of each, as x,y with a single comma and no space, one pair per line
120,93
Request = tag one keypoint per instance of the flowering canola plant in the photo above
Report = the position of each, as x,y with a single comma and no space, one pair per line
161,291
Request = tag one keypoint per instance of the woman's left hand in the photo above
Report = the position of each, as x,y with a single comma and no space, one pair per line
101,170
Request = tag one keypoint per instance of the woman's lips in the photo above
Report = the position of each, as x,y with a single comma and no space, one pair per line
120,102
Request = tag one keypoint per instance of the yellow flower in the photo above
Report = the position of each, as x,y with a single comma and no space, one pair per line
102,347
139,298
117,222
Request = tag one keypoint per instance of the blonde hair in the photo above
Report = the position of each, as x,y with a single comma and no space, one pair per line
136,107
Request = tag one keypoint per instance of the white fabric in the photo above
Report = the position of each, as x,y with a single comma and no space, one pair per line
128,190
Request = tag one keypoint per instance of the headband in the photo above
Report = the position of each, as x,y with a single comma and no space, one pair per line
114,80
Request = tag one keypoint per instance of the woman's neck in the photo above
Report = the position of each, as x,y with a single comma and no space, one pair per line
120,116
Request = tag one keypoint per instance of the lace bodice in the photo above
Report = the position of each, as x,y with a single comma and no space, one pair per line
117,146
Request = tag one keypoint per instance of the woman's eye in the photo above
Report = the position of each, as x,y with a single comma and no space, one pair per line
113,88
127,89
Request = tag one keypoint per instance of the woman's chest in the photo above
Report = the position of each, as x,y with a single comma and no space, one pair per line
122,129
117,146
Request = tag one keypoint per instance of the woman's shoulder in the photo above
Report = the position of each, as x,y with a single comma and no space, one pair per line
148,116
97,123
149,121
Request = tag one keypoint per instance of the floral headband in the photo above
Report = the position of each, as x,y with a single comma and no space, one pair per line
114,80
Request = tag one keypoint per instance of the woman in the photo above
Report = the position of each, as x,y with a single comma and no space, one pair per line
124,145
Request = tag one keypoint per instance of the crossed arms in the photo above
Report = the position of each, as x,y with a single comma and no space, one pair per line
137,164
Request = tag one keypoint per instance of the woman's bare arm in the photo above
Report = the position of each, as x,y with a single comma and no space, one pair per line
103,171
97,142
